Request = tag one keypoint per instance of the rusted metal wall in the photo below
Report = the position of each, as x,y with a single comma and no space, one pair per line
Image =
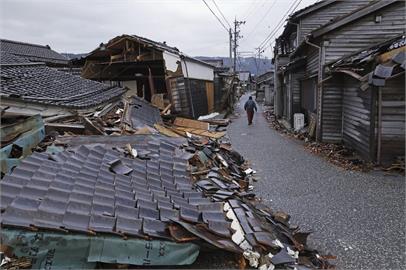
332,110
358,117
324,15
393,119
365,32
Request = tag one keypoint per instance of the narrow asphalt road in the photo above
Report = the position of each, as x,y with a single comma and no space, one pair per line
356,216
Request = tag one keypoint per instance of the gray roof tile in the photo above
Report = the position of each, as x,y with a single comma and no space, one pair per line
40,84
33,52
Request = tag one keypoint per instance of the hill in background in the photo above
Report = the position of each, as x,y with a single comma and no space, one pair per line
245,63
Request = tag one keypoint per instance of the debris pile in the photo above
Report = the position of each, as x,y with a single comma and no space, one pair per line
124,176
397,166
273,122
340,156
336,154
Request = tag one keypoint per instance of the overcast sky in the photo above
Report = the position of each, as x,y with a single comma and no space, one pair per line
79,26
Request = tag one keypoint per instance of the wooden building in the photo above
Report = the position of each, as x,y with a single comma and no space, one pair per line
293,69
371,87
152,69
344,113
265,86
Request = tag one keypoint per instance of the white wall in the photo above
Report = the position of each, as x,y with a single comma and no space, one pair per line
197,71
171,61
190,69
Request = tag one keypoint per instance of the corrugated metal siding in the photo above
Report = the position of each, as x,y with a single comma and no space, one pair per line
365,32
393,119
312,63
180,99
357,117
295,88
181,96
332,110
324,15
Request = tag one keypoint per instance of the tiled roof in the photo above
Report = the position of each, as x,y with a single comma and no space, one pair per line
33,52
96,188
143,113
41,84
7,58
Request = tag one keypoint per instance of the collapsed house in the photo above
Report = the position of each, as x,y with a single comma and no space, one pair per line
156,72
92,175
306,49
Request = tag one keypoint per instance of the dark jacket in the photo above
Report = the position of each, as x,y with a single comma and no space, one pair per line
250,105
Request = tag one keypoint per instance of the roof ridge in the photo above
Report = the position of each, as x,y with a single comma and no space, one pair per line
26,43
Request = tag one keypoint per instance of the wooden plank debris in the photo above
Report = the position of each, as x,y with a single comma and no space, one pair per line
189,123
166,131
199,132
92,128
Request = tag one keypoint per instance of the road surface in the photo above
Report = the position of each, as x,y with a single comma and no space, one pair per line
357,216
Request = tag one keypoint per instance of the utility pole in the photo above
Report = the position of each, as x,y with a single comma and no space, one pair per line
258,64
236,37
230,32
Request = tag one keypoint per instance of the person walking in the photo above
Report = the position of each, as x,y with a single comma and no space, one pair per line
249,107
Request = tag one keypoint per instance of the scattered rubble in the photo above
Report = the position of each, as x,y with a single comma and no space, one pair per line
398,166
336,154
87,165
123,176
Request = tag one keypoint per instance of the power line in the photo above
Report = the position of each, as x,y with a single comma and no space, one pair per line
254,29
292,8
221,13
280,23
254,9
215,15
294,5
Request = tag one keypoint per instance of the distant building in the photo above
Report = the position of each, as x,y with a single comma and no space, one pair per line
245,80
265,87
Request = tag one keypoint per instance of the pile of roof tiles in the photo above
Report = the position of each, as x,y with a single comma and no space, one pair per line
153,187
